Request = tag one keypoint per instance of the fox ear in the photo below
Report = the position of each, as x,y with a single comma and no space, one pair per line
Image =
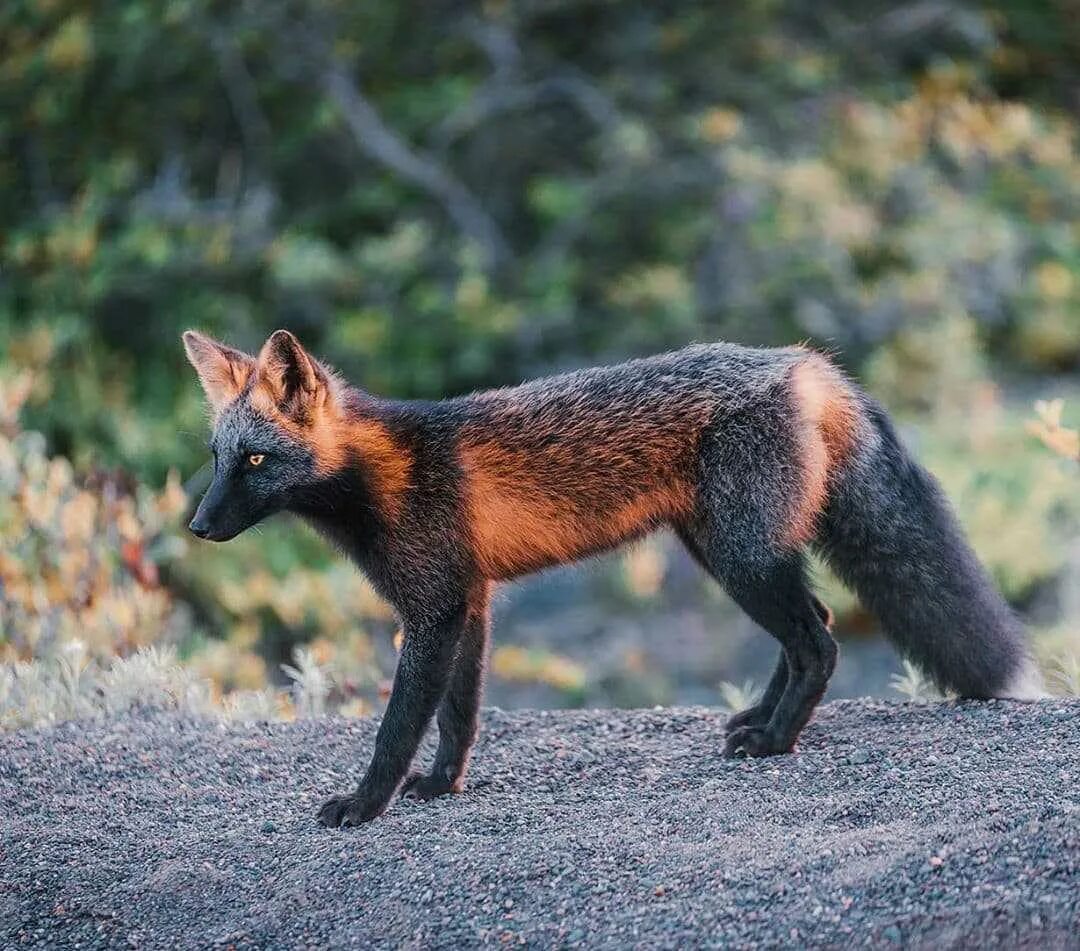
222,370
293,377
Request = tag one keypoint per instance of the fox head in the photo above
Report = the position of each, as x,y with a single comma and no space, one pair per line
276,422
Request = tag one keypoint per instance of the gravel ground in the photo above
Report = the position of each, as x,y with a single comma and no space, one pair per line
954,825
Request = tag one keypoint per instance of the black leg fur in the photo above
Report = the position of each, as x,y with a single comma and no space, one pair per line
782,603
733,536
458,715
774,593
419,684
761,712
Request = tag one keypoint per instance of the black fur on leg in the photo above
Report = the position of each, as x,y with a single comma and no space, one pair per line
419,683
761,712
781,603
458,715
734,539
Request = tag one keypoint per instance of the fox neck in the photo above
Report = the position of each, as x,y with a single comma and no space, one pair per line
342,508
353,504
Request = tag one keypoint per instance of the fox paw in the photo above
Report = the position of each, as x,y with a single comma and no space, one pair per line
351,810
422,787
754,741
751,716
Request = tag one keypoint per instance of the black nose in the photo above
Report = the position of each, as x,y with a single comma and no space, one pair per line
199,529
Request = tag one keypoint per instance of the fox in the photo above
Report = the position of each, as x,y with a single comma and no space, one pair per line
753,458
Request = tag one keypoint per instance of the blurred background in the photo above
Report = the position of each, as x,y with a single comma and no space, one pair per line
439,197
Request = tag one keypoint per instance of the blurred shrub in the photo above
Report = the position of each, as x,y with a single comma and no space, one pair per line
535,665
71,685
930,368
1019,506
1048,427
96,568
734,698
665,181
531,187
1059,644
913,684
78,559
1066,676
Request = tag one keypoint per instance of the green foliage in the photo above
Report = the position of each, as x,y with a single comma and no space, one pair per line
539,666
436,209
445,202
95,568
1018,503
79,558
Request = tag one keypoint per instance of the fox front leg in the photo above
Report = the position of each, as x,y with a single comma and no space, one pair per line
419,684
458,715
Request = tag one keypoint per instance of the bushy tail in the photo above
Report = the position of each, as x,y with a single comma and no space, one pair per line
890,534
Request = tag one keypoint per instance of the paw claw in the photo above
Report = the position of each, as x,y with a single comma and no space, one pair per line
421,788
347,811
752,716
752,741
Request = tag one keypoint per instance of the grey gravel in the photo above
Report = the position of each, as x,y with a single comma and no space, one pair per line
895,825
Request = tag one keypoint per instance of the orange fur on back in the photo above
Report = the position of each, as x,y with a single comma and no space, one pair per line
543,503
828,419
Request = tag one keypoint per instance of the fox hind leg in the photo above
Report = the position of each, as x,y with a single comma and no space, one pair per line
761,712
781,602
746,532
772,589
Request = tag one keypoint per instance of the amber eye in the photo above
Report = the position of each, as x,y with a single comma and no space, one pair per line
256,459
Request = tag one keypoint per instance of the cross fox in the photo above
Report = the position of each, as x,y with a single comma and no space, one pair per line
750,456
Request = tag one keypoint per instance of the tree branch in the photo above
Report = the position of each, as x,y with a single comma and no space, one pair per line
382,144
497,98
242,92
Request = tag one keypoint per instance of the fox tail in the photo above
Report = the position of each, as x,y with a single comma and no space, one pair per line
890,534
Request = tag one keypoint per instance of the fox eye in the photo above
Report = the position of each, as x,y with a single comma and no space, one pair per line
256,459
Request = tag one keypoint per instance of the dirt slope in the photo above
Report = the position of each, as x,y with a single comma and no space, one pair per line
950,825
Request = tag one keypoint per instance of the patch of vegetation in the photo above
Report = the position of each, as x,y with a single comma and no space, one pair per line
529,188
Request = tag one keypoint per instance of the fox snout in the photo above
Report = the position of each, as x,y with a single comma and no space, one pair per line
204,529
219,518
201,527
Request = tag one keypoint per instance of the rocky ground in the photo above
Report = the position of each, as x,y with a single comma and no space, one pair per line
952,825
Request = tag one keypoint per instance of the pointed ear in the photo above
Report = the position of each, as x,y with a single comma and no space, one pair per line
294,378
222,370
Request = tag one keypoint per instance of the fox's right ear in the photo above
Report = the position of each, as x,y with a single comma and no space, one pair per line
222,370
